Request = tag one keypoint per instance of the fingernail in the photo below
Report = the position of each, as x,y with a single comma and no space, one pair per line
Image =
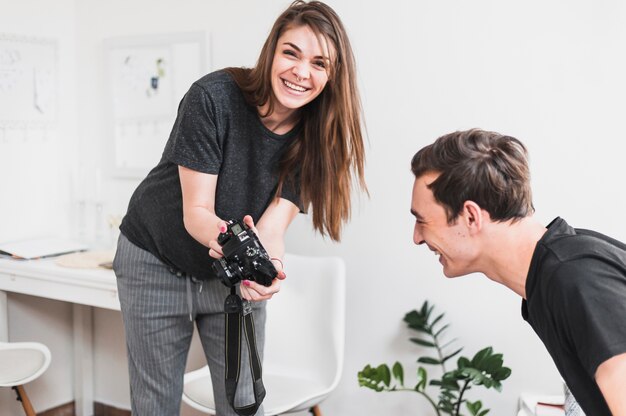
222,229
245,282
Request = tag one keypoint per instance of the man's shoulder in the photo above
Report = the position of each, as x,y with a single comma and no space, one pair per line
566,243
573,261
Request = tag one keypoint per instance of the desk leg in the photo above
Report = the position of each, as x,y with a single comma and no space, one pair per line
4,317
83,359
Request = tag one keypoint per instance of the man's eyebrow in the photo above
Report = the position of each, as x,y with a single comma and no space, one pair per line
416,214
293,45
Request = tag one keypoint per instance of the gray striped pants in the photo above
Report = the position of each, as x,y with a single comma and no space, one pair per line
156,307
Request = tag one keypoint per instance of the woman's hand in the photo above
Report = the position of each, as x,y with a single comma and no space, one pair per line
251,290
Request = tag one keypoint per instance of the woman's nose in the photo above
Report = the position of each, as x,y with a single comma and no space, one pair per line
301,71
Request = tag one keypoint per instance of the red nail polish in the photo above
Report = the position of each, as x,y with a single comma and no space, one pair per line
246,282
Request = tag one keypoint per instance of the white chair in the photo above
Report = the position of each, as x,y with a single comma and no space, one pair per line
20,363
304,342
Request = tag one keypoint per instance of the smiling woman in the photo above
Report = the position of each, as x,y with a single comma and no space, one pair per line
258,144
298,71
306,76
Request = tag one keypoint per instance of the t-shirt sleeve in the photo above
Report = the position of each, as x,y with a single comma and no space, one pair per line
193,142
291,192
591,310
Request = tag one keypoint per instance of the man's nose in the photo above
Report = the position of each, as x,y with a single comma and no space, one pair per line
417,236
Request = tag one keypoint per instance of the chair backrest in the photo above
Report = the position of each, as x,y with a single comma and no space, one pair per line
305,328
22,362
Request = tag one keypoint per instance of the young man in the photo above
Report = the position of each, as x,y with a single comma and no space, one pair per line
473,207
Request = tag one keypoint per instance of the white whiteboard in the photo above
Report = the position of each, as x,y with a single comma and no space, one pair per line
148,76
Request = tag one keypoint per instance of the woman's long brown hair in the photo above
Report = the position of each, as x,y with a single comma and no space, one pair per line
329,154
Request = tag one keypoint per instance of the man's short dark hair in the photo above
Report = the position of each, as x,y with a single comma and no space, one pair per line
485,167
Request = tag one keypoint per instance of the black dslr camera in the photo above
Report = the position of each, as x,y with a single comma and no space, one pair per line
244,257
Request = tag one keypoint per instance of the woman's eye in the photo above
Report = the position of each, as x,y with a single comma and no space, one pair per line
289,52
320,64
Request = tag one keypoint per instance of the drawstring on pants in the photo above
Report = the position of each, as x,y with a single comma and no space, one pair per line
188,281
189,298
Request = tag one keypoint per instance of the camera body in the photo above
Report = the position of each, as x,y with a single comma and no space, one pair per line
244,257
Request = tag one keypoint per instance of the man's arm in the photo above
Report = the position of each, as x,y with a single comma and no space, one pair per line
611,378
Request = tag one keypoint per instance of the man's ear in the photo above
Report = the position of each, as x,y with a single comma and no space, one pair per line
473,216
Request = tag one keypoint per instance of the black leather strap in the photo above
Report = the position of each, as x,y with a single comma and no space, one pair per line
238,313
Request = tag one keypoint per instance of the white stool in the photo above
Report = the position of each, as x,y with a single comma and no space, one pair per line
20,363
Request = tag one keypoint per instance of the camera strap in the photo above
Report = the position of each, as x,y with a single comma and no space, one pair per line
238,314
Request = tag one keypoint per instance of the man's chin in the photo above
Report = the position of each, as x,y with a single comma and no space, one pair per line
450,274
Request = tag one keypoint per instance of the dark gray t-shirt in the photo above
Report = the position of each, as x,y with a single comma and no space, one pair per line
576,303
215,132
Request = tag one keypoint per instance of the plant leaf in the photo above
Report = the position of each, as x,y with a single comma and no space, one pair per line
428,360
502,374
398,372
472,407
447,357
417,322
422,379
443,346
384,374
437,319
369,378
480,356
463,362
422,342
443,328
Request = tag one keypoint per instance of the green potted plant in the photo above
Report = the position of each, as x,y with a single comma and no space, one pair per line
485,368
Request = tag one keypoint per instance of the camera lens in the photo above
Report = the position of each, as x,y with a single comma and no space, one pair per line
225,273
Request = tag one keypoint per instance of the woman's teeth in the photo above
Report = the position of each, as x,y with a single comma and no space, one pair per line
294,86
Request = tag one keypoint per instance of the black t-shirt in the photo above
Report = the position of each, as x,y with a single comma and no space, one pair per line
215,132
576,303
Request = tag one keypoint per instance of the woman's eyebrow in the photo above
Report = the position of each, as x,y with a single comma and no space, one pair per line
293,45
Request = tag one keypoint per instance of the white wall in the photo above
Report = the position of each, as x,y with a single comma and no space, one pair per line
549,73
36,179
35,197
546,72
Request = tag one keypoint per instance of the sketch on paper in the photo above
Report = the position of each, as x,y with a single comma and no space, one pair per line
148,77
28,82
142,83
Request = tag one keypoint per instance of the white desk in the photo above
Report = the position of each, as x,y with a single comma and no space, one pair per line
84,288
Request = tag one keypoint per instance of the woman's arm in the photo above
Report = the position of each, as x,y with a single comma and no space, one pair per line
271,230
611,378
273,225
199,205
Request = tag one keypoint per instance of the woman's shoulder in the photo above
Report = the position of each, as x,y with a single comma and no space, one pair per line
218,83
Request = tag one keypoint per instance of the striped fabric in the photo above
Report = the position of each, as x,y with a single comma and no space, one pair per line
156,308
